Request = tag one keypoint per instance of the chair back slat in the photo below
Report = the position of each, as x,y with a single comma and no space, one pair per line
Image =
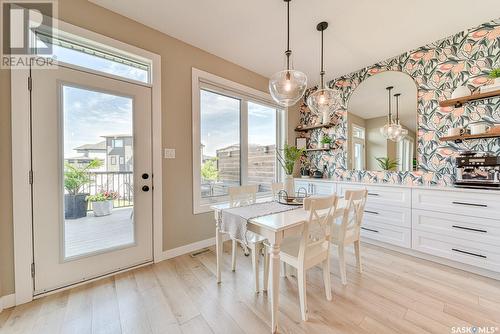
242,195
321,212
353,212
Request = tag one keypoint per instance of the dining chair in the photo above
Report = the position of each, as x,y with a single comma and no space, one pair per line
346,230
306,251
240,196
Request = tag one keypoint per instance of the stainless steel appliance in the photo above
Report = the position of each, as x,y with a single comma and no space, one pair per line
477,171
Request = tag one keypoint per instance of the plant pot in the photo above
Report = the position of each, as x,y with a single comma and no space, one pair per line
102,208
497,81
75,206
289,185
326,145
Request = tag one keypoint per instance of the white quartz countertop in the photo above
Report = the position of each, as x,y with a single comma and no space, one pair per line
411,186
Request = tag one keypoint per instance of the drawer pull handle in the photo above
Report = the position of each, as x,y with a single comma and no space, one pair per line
468,253
373,194
369,229
469,229
372,212
470,204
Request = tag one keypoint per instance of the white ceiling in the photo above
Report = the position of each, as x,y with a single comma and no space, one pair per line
251,33
370,98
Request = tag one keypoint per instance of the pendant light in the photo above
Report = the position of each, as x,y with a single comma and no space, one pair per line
398,133
287,87
388,129
323,100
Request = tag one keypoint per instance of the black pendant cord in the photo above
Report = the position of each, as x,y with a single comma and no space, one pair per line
397,107
390,109
288,52
321,27
322,73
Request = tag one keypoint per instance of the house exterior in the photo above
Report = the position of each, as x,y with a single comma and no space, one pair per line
119,153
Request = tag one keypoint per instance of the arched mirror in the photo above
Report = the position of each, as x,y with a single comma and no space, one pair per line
369,148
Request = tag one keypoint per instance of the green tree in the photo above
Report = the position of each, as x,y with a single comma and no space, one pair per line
209,170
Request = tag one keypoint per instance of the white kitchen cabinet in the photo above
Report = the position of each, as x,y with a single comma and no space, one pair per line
383,195
315,187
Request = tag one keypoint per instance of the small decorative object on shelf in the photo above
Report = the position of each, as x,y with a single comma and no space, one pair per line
326,141
301,143
460,91
296,198
302,128
495,75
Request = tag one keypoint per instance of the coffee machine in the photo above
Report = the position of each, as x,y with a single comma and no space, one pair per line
475,170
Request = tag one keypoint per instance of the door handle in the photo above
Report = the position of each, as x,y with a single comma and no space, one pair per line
468,253
373,194
469,229
372,212
369,229
470,204
145,188
145,176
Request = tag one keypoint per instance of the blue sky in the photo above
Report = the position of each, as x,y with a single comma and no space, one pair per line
88,115
220,122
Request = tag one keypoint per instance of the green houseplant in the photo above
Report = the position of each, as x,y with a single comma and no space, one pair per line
387,163
326,141
75,177
287,159
102,203
495,74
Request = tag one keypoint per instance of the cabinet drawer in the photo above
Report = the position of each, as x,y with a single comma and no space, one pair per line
462,203
460,250
316,188
392,215
476,229
397,196
395,235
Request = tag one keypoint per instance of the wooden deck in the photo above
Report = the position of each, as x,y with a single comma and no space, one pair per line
91,234
395,294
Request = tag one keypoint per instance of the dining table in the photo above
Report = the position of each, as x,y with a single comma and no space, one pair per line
275,227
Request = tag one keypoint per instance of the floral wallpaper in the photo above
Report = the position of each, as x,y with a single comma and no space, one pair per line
437,68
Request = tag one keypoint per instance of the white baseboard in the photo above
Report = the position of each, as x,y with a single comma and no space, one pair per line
186,249
7,301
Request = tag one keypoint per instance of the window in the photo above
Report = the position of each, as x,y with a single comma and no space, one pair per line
122,160
358,147
67,49
236,131
117,142
113,160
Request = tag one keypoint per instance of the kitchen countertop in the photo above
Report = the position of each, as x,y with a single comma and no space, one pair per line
411,186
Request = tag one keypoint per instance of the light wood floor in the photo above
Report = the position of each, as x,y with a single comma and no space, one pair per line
395,294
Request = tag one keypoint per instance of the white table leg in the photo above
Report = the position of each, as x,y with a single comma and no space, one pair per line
275,288
218,250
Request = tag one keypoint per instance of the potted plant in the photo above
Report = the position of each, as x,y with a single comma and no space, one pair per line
75,177
495,75
326,141
304,167
287,160
102,203
387,163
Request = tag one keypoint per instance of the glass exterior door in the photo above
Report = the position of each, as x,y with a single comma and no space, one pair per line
92,200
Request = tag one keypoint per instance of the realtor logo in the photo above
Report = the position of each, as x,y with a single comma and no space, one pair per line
22,21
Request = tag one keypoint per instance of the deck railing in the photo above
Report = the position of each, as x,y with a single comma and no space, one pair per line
120,182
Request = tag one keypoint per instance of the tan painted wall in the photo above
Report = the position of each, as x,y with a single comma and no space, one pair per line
181,227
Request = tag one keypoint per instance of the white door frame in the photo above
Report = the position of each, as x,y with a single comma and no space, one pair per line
21,159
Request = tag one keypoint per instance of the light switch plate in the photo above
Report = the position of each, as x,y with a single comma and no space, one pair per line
169,153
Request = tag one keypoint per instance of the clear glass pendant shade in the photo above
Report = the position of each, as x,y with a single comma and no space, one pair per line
323,100
287,87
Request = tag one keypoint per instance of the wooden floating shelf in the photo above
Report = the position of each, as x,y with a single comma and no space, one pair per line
459,139
458,102
317,149
312,127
